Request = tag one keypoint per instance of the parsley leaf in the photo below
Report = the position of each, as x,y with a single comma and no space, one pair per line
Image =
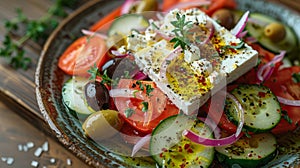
286,117
128,112
94,72
296,77
145,106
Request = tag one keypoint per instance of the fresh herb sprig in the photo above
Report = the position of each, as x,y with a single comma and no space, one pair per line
36,30
181,31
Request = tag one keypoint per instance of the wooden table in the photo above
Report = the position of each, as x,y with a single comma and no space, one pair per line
21,121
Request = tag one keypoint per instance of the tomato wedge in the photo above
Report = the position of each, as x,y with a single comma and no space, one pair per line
281,83
219,4
159,107
82,54
106,19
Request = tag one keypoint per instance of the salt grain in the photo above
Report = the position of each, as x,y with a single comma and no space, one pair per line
4,159
38,152
25,148
10,160
52,160
20,147
34,163
30,145
45,146
69,162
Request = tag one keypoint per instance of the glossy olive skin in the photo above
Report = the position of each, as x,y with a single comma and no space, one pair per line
147,5
96,95
102,125
225,18
275,31
120,68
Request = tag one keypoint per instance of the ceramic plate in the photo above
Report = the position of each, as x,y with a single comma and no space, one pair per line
49,81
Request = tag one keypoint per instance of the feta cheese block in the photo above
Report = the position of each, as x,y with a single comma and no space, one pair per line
190,74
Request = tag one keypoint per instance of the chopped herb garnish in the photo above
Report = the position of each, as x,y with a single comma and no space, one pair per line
145,106
246,132
154,25
149,89
106,79
296,77
181,31
94,72
238,46
140,85
126,75
286,117
128,112
134,93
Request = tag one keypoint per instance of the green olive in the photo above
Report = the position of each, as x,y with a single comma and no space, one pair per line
147,5
224,17
102,125
275,31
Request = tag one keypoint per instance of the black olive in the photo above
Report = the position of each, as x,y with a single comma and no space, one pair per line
96,95
119,68
225,18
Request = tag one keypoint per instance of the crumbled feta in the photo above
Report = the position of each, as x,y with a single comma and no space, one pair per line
192,53
136,41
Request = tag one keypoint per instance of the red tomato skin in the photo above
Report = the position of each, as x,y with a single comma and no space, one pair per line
83,54
137,120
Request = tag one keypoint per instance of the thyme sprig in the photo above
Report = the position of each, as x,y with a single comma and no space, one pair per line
36,30
181,31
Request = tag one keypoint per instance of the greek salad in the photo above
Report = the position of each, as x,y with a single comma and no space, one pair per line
188,83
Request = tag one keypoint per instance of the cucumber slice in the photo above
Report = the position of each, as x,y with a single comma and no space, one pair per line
126,23
249,152
73,95
262,109
170,149
288,44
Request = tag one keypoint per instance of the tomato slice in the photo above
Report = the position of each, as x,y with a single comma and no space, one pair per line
166,4
82,54
282,84
107,19
159,107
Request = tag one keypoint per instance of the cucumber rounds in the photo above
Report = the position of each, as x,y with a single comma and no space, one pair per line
248,152
169,148
257,29
261,107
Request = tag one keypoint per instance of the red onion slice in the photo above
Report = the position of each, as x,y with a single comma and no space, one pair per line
118,54
164,36
239,27
222,141
265,71
210,142
257,22
126,6
242,34
187,4
128,93
140,144
90,33
251,40
213,126
211,34
288,102
169,58
140,76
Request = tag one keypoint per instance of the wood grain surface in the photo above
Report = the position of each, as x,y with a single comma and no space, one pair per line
17,95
